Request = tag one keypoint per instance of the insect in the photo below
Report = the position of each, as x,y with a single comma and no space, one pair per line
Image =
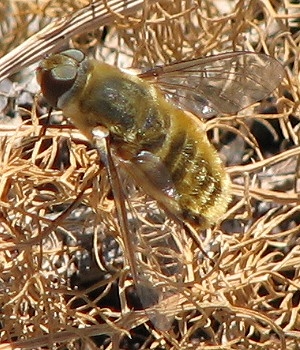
165,150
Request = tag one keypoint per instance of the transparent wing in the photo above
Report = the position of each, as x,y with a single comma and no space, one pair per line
224,83
159,256
162,252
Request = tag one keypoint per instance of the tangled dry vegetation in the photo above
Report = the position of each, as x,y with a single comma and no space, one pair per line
63,280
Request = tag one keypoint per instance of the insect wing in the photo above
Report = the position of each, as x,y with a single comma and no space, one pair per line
162,250
155,248
224,83
161,269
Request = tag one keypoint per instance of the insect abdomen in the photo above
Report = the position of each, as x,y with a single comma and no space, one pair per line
198,175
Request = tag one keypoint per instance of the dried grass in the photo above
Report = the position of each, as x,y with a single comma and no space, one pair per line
55,197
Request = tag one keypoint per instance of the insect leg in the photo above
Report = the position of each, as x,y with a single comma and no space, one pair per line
101,136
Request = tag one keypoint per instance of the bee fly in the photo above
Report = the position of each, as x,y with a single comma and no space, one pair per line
141,123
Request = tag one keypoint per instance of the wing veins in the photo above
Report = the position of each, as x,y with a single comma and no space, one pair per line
236,78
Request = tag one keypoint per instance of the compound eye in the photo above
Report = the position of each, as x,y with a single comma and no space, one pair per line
76,55
63,73
57,73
